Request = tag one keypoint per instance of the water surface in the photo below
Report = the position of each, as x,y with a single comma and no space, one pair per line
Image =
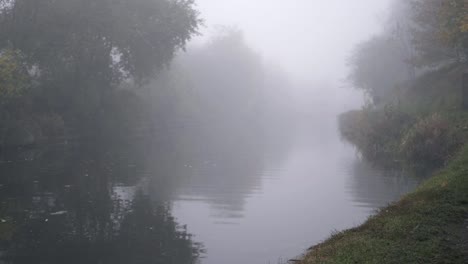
295,196
204,194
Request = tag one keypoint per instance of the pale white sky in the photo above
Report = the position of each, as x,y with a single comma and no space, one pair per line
307,37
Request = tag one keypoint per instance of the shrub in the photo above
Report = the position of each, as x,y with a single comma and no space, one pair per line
375,131
431,141
14,79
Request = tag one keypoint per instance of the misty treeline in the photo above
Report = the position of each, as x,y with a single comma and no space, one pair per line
419,36
76,68
411,73
222,83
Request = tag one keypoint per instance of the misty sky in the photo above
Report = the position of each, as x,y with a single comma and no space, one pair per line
310,38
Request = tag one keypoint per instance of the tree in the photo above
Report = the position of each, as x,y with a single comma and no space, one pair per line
81,49
377,66
454,25
398,27
440,31
231,69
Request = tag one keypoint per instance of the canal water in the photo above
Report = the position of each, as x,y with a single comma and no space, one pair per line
206,195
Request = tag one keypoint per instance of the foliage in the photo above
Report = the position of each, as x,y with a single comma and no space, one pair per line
454,27
454,23
14,79
20,124
114,39
375,131
387,135
78,53
440,30
429,225
14,84
427,29
419,36
426,226
432,140
434,91
378,66
81,49
384,68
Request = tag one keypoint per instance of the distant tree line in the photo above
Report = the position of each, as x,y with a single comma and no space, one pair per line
221,83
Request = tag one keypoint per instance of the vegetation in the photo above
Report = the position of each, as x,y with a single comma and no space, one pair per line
72,69
415,117
376,132
377,66
427,226
87,68
431,140
413,138
66,61
13,76
106,78
411,74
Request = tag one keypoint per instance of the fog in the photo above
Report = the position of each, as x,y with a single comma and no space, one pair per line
310,41
297,52
133,133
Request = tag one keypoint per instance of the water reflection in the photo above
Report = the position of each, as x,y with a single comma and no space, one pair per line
221,168
69,204
373,187
250,197
301,190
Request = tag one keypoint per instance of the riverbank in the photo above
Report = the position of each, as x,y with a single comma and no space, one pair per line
429,225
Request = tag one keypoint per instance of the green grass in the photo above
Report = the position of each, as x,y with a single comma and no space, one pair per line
426,226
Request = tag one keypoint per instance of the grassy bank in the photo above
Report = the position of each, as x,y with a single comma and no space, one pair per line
423,127
426,226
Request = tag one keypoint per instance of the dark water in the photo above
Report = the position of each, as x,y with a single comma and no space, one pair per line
195,196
